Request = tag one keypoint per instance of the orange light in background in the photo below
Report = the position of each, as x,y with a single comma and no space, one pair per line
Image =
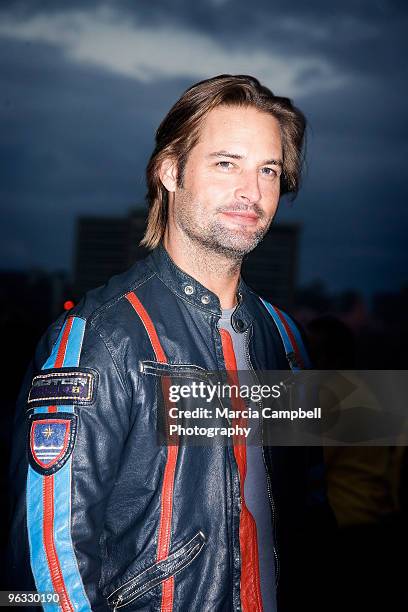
68,305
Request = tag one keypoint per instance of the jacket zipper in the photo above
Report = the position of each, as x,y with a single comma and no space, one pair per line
236,482
131,587
268,480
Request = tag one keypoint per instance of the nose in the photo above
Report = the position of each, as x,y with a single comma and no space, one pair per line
248,188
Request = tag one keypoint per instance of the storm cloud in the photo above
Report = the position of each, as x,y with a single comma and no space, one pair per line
83,87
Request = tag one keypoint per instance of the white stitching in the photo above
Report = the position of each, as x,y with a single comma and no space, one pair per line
176,554
175,365
174,370
63,397
171,571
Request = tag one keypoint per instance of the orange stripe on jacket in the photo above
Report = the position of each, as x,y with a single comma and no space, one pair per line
48,492
163,544
251,598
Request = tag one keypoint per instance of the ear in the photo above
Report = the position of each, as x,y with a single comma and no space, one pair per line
168,174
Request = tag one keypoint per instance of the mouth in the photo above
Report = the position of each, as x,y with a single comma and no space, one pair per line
242,217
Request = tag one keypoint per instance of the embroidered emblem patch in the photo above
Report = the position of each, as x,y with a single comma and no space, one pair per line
51,440
63,386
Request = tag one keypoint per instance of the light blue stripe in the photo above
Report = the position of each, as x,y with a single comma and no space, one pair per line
74,344
285,337
41,410
62,492
63,541
50,363
44,409
35,505
299,340
281,329
62,498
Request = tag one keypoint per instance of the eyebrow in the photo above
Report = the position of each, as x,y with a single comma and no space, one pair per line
272,162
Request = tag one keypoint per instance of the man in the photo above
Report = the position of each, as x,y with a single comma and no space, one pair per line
109,518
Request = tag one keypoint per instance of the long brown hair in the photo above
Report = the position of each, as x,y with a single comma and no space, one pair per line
179,131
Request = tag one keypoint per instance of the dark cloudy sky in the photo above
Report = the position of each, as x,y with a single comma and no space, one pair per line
83,85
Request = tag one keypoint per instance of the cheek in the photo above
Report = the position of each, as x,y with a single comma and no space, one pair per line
212,191
220,188
270,195
199,184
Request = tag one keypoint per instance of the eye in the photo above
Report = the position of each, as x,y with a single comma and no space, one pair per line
225,165
269,172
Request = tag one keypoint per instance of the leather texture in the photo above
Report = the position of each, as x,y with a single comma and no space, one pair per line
117,468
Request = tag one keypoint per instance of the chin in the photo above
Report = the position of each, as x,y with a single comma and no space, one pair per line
236,241
238,248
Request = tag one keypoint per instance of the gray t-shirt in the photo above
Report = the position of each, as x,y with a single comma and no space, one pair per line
255,486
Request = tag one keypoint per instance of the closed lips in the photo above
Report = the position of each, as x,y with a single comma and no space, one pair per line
241,213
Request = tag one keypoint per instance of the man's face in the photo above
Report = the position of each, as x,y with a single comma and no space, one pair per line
230,188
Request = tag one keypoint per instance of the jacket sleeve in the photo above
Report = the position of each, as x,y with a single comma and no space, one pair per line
71,422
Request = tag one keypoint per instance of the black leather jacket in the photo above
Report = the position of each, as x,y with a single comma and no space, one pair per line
112,517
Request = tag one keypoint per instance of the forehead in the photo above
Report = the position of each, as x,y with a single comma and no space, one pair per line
237,127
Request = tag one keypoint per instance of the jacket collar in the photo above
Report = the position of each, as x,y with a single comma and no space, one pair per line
190,290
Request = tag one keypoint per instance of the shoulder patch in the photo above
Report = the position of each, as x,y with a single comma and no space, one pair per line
63,386
51,440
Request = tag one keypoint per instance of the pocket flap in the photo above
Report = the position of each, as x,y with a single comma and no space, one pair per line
156,573
183,370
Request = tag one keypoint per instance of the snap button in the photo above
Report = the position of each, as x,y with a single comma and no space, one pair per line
188,289
205,299
239,324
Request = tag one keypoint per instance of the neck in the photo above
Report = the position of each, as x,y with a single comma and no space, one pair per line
215,271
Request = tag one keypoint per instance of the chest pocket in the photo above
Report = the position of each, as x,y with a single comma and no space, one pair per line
174,370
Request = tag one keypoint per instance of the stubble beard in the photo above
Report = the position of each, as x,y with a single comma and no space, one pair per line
212,236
